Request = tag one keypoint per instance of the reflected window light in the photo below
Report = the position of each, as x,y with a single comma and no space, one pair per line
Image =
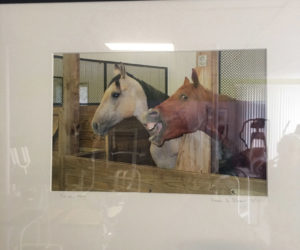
283,113
140,46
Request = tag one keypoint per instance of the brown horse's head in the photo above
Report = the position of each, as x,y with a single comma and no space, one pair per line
123,98
184,112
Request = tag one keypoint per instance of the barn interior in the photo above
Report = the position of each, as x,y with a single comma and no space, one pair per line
121,161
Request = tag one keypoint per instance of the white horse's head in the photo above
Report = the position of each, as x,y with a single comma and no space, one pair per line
123,98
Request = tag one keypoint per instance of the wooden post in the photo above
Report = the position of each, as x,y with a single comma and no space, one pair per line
70,131
195,150
194,153
58,157
208,69
208,73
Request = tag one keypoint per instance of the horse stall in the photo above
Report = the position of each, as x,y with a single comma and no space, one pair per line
121,161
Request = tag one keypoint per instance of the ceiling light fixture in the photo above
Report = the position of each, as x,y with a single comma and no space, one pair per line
141,46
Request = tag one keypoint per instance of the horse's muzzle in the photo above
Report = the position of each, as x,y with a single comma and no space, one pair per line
98,129
152,117
154,125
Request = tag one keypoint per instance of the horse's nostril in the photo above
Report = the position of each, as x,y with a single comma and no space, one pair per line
95,126
153,113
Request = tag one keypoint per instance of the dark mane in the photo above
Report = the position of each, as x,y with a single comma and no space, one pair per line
154,96
115,79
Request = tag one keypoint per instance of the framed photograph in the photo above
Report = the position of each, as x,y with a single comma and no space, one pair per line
115,129
82,139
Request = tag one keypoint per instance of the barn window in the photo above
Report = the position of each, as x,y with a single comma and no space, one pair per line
243,76
57,90
84,93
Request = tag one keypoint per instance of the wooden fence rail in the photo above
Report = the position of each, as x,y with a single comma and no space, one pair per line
84,174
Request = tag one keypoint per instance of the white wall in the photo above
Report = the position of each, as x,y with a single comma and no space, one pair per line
32,216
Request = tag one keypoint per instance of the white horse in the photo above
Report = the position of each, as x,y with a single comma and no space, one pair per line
127,96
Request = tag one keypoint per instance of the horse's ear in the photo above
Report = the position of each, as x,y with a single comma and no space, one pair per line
122,70
117,70
195,78
186,81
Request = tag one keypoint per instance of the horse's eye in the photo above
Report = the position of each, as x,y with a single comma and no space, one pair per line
115,94
183,97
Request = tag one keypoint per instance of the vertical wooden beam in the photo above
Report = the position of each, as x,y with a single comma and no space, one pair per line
195,150
59,113
208,69
208,72
70,129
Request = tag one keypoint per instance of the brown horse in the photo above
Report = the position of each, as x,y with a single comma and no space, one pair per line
192,108
188,110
